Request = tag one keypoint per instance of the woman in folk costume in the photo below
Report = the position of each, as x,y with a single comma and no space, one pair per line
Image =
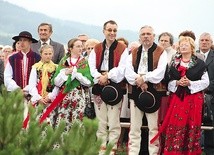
40,87
72,77
181,127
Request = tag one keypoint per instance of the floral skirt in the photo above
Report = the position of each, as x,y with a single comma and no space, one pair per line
181,128
71,108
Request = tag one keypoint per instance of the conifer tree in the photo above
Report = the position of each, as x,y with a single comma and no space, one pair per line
14,140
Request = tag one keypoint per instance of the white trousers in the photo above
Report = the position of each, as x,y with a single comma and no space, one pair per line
135,130
109,122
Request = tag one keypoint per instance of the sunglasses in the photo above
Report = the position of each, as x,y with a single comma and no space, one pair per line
110,30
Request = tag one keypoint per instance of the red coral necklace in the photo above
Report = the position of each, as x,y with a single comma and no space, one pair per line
74,64
185,61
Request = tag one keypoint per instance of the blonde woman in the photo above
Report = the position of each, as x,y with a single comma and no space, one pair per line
89,45
182,124
40,87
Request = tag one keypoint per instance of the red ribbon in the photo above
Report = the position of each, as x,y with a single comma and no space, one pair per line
25,122
39,87
53,105
182,70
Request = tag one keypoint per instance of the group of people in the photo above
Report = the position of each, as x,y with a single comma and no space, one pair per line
140,76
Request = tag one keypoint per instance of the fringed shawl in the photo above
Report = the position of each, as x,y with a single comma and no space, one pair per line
196,69
43,71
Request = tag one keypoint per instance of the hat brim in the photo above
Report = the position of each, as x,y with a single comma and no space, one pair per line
106,93
16,38
147,97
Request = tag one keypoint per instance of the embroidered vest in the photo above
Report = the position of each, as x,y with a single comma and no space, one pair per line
117,54
118,49
154,54
16,62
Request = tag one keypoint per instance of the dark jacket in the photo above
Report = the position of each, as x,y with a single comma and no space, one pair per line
59,50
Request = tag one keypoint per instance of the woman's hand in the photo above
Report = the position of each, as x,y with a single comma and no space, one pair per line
184,81
69,70
45,100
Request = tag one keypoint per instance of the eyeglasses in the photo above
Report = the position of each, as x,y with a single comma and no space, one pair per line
78,46
184,45
110,30
164,40
90,48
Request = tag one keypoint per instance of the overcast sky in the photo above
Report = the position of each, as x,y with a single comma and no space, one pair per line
163,15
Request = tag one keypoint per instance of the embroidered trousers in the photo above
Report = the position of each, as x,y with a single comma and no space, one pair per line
109,122
135,130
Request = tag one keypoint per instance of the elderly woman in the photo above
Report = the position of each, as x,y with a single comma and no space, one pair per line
72,77
182,124
89,44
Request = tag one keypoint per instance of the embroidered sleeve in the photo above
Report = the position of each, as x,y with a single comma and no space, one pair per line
8,78
172,86
199,85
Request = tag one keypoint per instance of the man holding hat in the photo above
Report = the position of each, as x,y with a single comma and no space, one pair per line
18,67
144,71
107,64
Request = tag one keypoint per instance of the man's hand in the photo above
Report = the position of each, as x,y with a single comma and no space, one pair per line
103,80
139,81
144,87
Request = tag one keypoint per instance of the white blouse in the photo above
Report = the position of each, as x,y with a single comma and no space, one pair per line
195,86
62,77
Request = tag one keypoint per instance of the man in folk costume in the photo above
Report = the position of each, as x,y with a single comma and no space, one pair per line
18,67
107,64
145,69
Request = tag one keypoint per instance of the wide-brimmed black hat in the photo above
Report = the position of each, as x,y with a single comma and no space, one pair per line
147,103
25,34
112,94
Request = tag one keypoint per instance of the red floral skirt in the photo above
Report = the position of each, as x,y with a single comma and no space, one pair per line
181,128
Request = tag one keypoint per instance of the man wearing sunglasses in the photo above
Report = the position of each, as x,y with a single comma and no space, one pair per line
107,64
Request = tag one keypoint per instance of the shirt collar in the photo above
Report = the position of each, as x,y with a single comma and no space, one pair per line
205,54
47,42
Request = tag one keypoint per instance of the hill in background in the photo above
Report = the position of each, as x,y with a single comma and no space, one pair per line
15,19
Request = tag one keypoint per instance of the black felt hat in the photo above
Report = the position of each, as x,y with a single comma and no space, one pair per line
147,103
25,34
112,94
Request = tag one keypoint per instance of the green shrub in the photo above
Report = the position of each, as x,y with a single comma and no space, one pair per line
14,140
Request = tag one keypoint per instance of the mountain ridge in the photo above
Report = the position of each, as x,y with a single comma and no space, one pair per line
15,19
